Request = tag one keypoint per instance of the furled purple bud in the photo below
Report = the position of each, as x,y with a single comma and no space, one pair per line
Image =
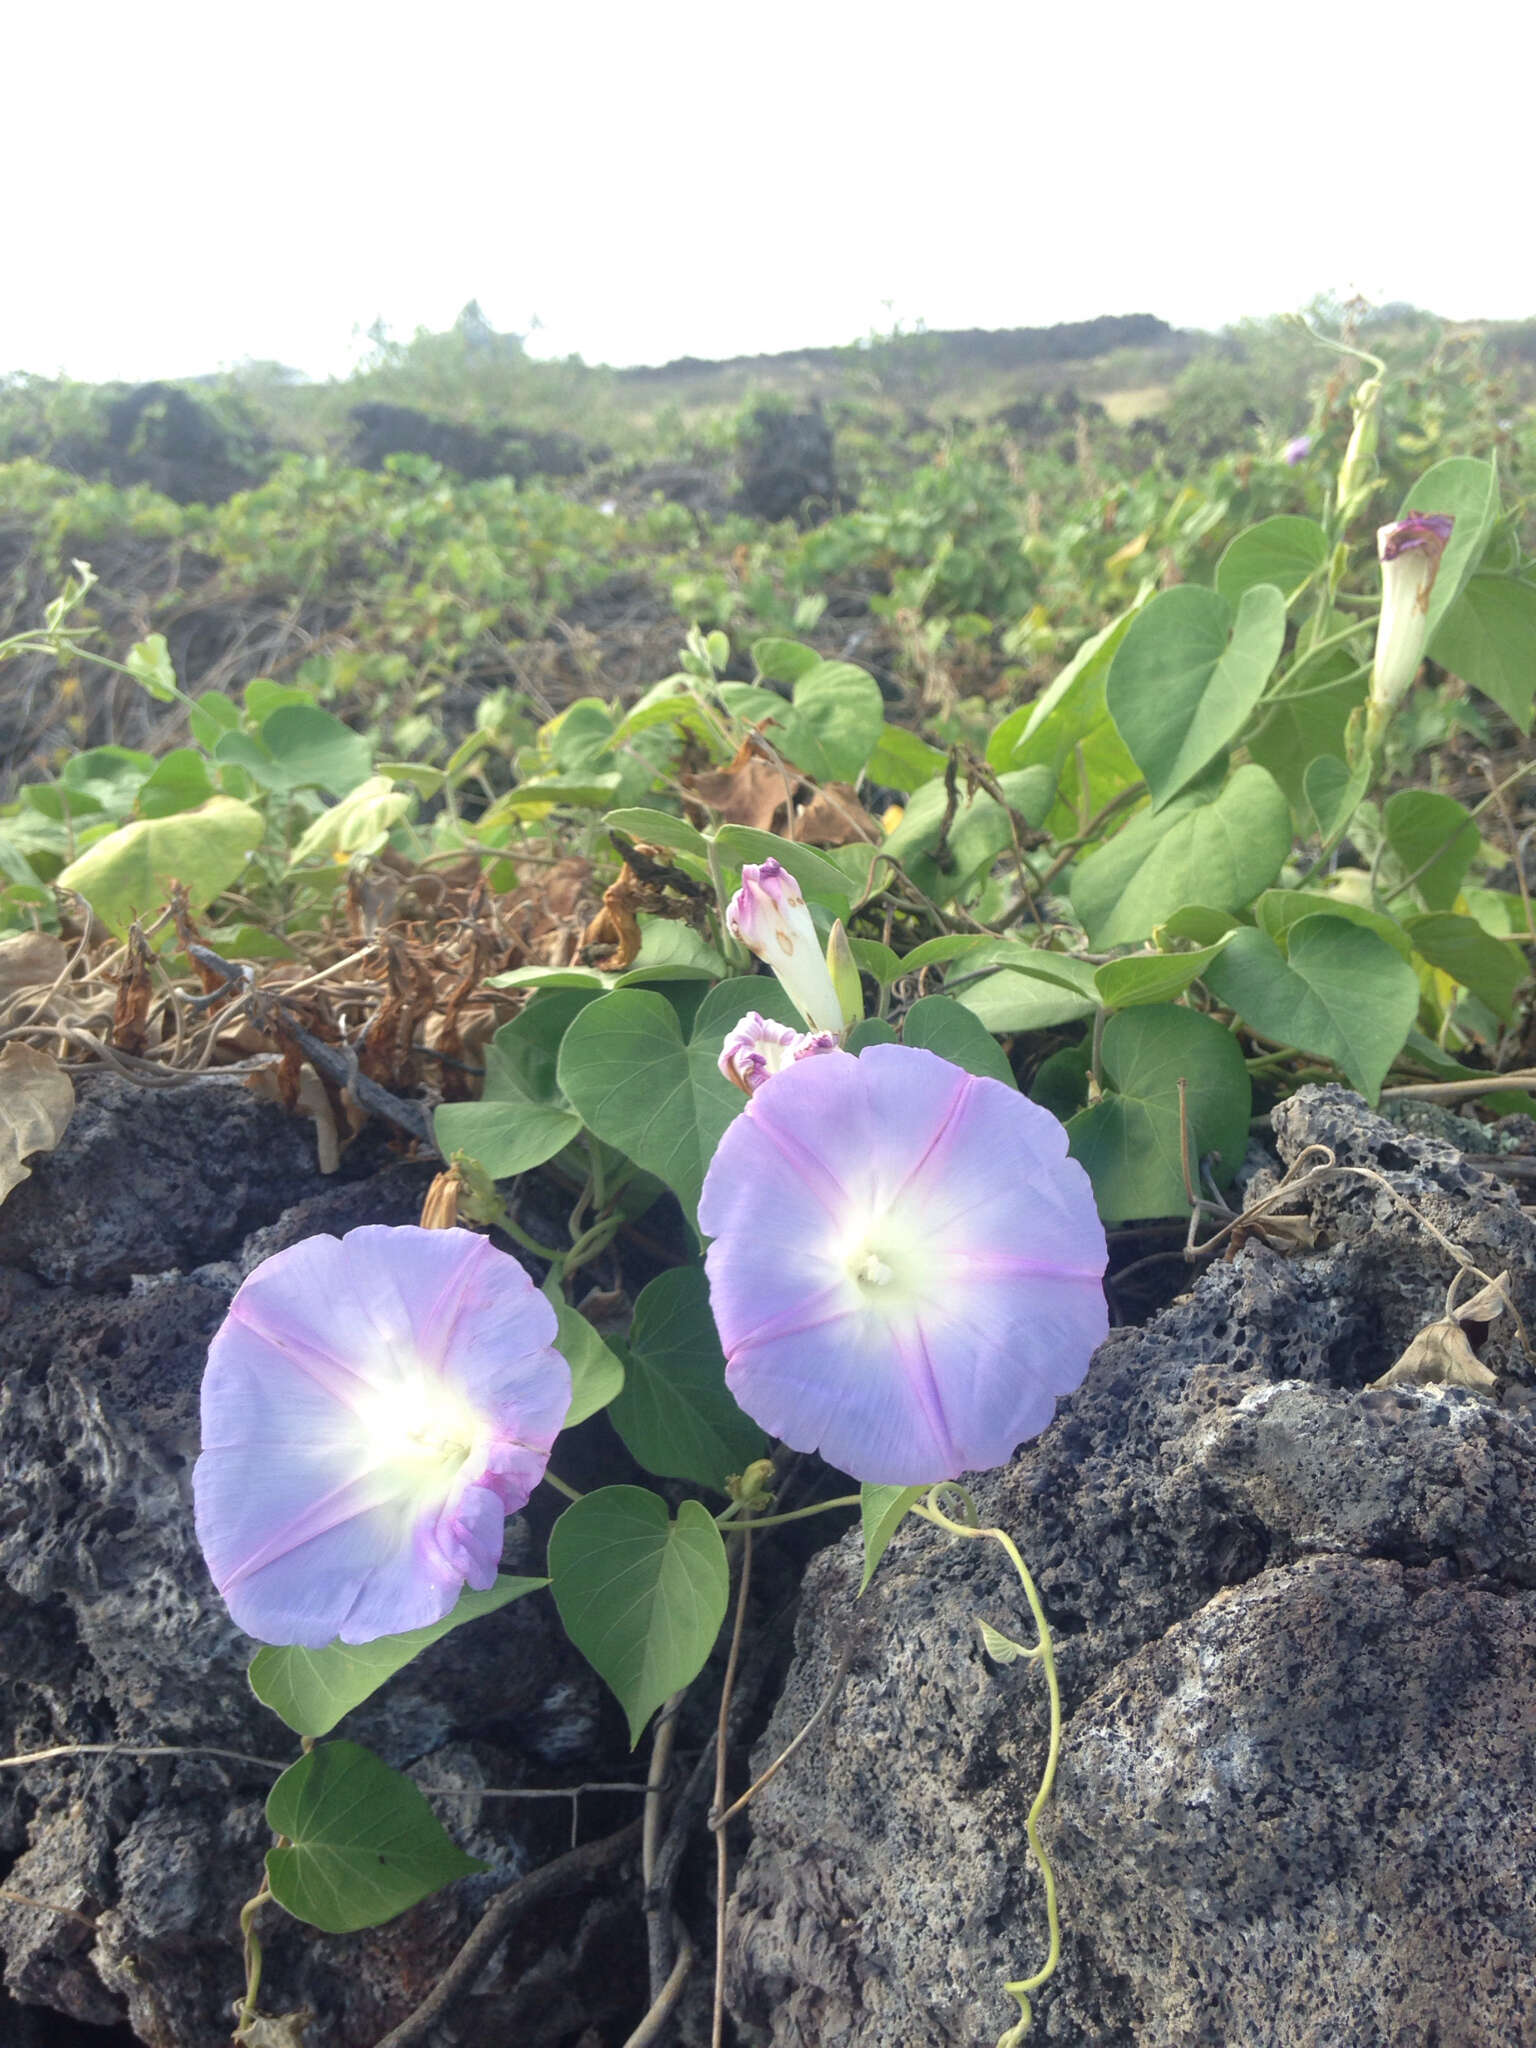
1410,550
769,916
1297,450
759,1048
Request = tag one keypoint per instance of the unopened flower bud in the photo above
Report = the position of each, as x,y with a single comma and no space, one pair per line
769,916
844,970
1355,471
440,1209
759,1048
1410,550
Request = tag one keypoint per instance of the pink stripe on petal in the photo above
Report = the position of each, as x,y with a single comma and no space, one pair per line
361,1494
927,1389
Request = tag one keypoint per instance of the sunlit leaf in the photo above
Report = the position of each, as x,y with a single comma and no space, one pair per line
129,873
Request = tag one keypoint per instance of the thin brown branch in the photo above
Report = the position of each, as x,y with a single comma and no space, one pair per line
568,1873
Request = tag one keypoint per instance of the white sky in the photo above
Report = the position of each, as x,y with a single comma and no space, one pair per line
190,185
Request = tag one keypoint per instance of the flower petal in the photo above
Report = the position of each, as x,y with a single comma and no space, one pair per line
291,1543
906,1267
374,1407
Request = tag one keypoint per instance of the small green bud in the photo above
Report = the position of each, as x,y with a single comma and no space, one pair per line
1356,472
844,971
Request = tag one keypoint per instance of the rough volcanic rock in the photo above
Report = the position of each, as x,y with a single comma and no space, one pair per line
151,1180
788,466
380,430
117,1261
1296,1631
162,436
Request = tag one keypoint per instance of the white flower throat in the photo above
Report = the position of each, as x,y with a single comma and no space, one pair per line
419,1422
883,1254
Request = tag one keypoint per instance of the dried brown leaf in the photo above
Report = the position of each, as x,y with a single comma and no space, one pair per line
130,1012
835,817
1280,1233
1439,1357
30,960
1442,1355
749,792
440,1208
37,1100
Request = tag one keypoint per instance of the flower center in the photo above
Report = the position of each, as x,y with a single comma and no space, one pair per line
419,1424
884,1255
872,1271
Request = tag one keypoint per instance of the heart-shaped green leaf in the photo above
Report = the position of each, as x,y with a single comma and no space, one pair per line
1284,551
940,1024
1217,845
1342,993
362,1842
1187,675
642,1597
1436,840
675,1413
625,1068
1130,1142
1486,638
839,717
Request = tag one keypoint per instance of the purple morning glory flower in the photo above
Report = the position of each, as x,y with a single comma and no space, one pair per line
906,1267
374,1408
759,1048
1297,450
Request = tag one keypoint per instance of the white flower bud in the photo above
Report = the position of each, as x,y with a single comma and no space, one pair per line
769,916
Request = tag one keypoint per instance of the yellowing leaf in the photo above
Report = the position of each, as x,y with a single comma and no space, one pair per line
360,823
129,873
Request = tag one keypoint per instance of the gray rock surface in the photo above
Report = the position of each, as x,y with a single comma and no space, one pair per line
112,1632
1296,1630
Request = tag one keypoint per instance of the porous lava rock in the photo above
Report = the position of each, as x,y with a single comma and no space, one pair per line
788,465
117,1262
1296,1632
380,430
163,436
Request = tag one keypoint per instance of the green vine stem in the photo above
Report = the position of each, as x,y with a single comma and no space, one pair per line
251,1945
1044,1650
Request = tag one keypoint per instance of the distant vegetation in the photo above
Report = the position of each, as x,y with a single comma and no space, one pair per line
953,510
